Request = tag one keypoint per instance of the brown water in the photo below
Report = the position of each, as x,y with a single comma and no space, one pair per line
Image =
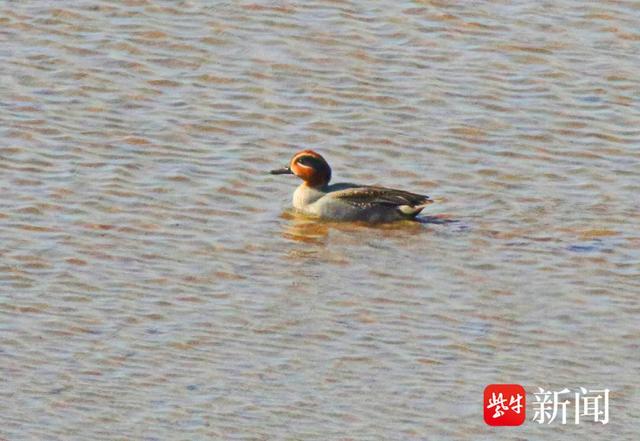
153,285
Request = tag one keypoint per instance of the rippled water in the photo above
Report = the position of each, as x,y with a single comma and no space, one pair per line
154,285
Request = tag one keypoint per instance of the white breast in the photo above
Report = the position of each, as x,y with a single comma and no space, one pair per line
305,196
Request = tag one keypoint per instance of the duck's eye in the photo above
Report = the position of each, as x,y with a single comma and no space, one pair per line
306,160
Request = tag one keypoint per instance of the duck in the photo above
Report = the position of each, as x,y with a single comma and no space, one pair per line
315,197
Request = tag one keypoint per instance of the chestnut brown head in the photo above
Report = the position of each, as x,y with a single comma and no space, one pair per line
309,166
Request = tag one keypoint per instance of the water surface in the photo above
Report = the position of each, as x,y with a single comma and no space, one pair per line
154,286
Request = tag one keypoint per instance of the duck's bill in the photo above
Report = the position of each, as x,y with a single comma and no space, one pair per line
281,171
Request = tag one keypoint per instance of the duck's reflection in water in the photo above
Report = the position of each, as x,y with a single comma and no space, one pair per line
303,229
316,231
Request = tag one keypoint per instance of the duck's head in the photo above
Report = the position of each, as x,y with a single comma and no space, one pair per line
308,166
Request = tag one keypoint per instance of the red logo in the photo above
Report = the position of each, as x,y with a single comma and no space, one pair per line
504,404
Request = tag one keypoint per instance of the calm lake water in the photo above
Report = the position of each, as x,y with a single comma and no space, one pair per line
154,285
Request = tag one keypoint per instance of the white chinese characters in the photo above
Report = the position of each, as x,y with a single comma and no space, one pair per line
595,404
591,405
500,404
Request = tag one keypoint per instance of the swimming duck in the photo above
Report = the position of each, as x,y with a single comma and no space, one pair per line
347,202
